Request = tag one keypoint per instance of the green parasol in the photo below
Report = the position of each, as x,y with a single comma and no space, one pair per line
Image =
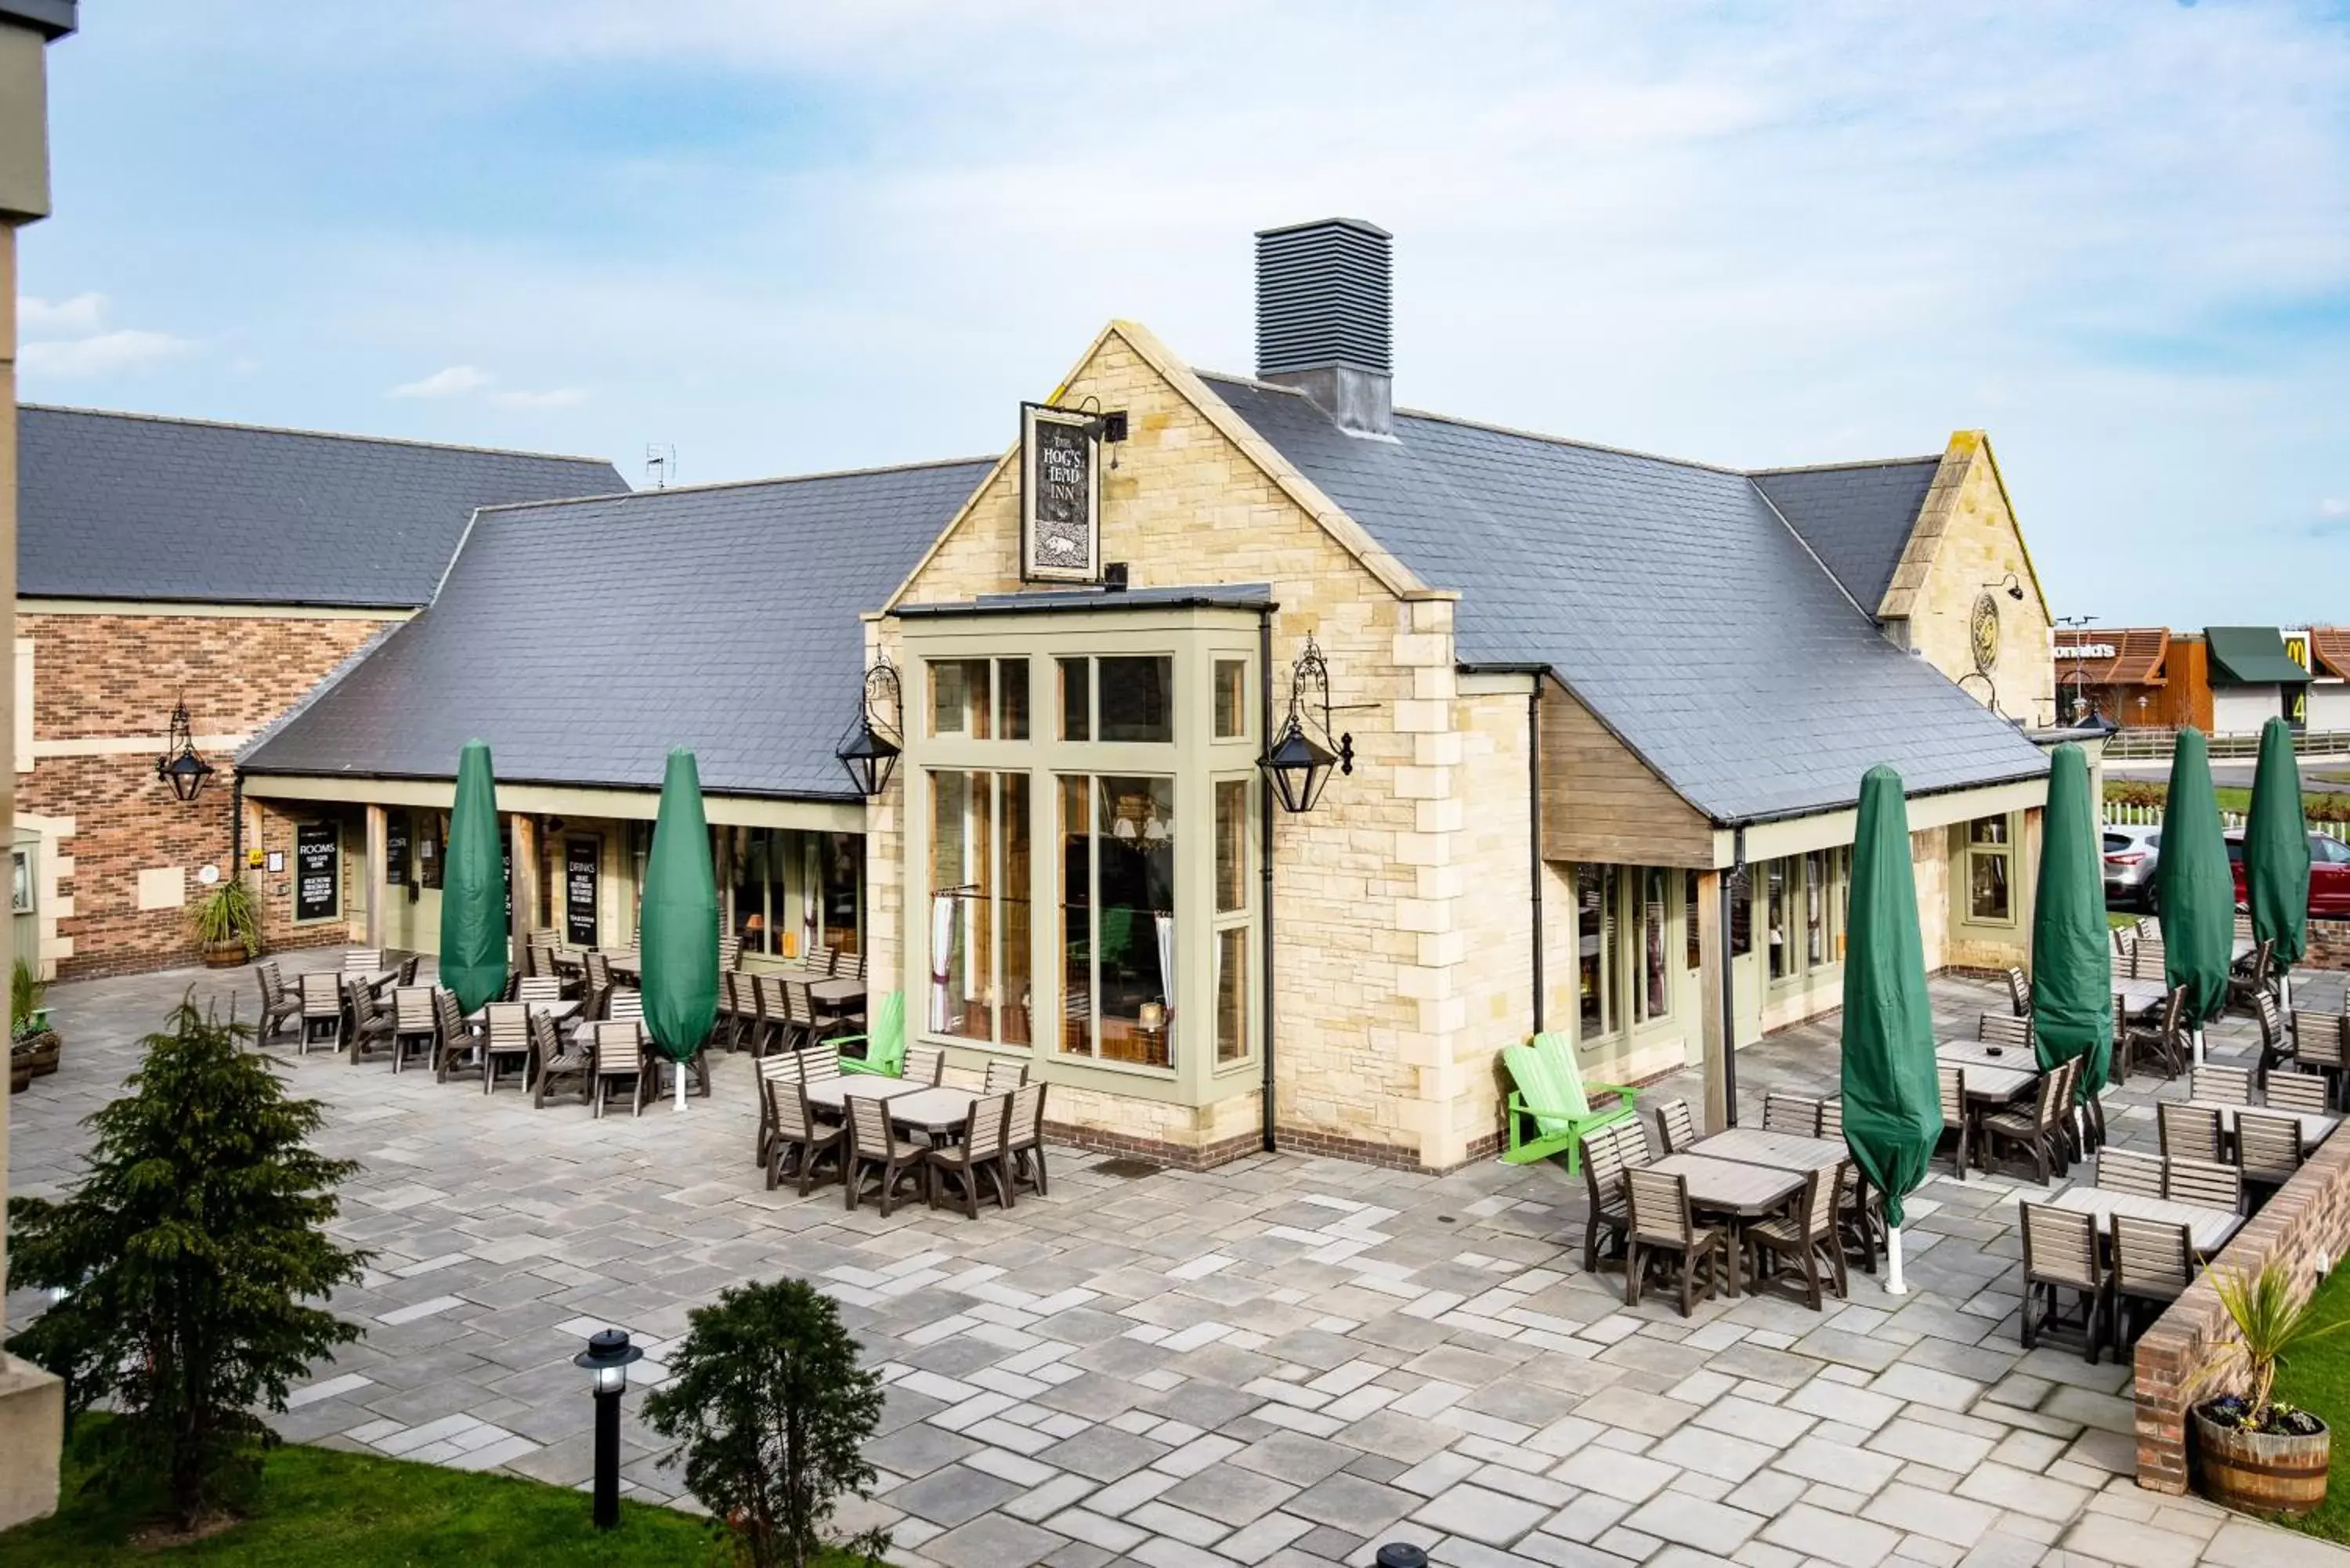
474,887
2276,850
2072,955
2195,891
679,927
1892,1098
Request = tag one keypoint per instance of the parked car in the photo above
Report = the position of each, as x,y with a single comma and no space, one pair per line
2329,873
2130,855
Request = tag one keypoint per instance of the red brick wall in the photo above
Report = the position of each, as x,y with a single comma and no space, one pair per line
106,676
277,826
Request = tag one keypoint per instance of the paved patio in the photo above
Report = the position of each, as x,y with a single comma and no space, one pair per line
1286,1361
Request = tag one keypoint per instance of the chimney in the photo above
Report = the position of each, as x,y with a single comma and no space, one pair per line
1324,318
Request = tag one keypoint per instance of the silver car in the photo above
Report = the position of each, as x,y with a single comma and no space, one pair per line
2129,856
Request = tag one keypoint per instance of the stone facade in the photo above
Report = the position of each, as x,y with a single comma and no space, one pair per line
121,851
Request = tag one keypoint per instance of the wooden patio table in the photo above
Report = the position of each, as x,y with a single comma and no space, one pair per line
2136,996
1736,1190
833,1093
2315,1126
1780,1151
2001,1078
559,1012
2208,1230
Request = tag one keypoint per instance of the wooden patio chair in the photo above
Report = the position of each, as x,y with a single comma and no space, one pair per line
2004,1030
1003,1077
2038,1132
1608,1154
874,1146
2213,1081
279,1006
541,989
619,1050
2163,1045
2317,1044
770,1014
818,1061
1958,1116
2060,1256
370,1025
925,1065
726,1032
959,1163
2275,1043
2190,1132
2154,1262
1832,1117
1024,1141
2268,1147
2126,1170
825,961
2304,1093
881,1049
1804,1234
1549,1110
730,954
1796,1114
2205,1183
408,968
458,1038
362,960
626,1005
555,1060
415,1025
541,965
800,1024
2019,991
322,1010
1675,1127
2253,977
1661,1229
505,1044
799,1140
780,1068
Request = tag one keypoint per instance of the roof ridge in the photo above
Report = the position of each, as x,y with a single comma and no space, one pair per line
734,483
314,435
1833,467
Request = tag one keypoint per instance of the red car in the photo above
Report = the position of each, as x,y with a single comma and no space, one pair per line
2329,873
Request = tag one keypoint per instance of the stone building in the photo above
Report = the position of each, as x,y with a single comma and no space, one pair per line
1601,720
167,562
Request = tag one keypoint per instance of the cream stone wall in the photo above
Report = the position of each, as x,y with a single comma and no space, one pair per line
1371,933
1966,542
1497,978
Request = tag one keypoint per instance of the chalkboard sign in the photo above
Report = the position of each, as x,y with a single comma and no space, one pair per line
582,864
395,849
506,862
318,871
1060,496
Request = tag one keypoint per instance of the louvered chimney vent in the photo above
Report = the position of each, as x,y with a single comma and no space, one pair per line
1324,318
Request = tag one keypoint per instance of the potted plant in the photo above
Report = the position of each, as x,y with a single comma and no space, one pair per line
32,1047
2256,1452
227,923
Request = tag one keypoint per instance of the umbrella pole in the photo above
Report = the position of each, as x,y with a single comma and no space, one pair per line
1893,1285
2198,1044
681,1085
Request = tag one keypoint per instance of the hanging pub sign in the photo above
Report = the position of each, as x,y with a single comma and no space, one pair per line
317,870
1060,495
582,863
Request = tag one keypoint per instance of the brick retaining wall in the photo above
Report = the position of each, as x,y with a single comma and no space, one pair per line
2307,1225
2329,945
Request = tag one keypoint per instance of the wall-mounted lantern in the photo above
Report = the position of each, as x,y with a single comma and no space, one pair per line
180,766
1300,758
869,748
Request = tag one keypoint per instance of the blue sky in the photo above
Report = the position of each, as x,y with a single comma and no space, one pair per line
786,237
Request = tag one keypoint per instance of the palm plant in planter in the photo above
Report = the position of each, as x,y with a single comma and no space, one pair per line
227,923
32,1047
2257,1453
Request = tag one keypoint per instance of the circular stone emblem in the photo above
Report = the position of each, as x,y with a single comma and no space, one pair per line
1982,633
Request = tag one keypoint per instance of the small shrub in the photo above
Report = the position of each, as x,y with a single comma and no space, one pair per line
2269,1318
189,1255
25,993
229,913
770,1412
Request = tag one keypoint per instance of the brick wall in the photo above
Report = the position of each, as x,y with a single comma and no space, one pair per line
114,677
2306,1226
2329,946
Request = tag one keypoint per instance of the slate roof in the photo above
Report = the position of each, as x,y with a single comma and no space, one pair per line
1665,596
136,506
582,639
1856,516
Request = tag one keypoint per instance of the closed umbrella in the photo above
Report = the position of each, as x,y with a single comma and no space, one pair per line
2276,850
2198,893
474,887
2072,955
1892,1100
678,939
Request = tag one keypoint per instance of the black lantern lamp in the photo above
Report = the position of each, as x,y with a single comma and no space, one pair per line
606,1359
1300,758
180,766
869,748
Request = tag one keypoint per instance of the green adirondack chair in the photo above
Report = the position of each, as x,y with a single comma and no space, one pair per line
885,1041
1550,1110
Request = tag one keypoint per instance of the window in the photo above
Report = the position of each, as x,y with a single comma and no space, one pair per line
1233,917
767,920
1121,699
20,881
1653,997
1117,917
1232,700
1077,697
432,837
980,699
1774,906
1806,897
1693,958
840,877
980,934
1816,909
1742,911
1594,936
1988,852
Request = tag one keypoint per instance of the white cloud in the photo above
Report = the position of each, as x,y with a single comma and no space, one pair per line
2333,506
109,351
38,318
556,397
455,381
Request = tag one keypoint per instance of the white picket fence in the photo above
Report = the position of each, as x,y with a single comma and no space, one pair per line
2118,815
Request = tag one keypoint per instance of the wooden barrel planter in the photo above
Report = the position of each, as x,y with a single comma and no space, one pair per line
35,1056
2262,1473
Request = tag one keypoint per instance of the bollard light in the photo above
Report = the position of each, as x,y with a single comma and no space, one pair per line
606,1359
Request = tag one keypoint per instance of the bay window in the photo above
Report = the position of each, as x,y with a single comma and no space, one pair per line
1117,919
977,886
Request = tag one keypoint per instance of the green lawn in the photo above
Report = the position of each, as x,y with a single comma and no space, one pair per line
322,1506
2317,1378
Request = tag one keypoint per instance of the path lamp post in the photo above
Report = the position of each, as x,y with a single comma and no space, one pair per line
606,1359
